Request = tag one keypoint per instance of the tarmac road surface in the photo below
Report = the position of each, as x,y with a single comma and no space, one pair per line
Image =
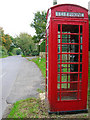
20,79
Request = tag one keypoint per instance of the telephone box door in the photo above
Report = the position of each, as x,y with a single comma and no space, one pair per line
71,86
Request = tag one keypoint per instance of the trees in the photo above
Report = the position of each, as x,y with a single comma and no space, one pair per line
25,43
39,23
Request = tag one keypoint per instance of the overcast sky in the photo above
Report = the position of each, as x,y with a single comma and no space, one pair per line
16,15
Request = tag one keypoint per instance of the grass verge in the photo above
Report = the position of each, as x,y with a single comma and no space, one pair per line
41,64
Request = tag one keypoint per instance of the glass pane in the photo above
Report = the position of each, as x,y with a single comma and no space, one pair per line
74,38
58,96
69,77
69,58
58,28
65,85
58,86
80,76
80,67
69,86
70,48
69,67
58,67
65,67
58,77
58,36
80,38
58,58
74,67
64,40
64,36
69,96
58,48
81,48
80,58
58,40
81,29
70,38
70,28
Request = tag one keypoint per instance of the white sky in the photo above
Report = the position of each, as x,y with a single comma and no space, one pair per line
16,15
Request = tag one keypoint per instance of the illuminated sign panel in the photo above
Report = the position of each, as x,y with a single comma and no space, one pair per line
69,14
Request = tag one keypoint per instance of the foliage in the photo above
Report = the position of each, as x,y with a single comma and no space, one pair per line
42,47
10,53
3,51
35,53
16,51
39,23
25,43
5,40
7,43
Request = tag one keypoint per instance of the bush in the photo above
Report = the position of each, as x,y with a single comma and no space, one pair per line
42,47
3,51
16,51
35,53
10,54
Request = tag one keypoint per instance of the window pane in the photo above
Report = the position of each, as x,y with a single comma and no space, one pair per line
80,58
58,28
58,48
71,86
58,36
58,86
68,96
80,38
69,58
65,67
58,96
58,77
81,29
69,77
58,58
58,67
81,48
80,67
80,76
70,28
69,67
58,40
70,48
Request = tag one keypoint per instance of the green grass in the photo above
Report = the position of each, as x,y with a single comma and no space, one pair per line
41,64
4,56
25,108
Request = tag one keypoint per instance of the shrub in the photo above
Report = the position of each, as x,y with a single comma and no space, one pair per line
3,51
16,51
35,53
10,54
42,47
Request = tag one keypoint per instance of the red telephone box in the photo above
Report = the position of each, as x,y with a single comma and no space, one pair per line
67,41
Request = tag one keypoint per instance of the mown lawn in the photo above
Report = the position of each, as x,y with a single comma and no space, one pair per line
35,108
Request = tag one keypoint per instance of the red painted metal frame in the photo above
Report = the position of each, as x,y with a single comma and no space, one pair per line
81,102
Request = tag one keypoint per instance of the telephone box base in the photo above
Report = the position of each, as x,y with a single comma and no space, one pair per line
69,112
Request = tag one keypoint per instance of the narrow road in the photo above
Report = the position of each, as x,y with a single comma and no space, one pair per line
20,79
